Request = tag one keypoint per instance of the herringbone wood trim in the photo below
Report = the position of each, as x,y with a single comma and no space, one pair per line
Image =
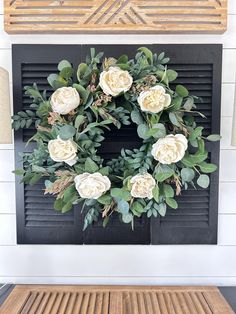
34,299
132,16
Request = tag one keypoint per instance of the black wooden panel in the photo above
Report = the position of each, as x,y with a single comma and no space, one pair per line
195,221
37,222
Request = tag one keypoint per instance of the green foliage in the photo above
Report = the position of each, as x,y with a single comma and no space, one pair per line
203,181
99,112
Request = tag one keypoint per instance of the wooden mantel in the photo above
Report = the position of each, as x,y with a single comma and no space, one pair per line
119,16
34,299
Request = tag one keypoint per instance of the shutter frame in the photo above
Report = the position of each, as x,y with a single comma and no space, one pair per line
154,231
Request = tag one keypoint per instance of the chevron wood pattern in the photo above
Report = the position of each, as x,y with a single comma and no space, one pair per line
115,16
115,300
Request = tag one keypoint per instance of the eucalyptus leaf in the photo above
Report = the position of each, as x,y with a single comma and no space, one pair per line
127,218
207,167
168,190
67,132
214,137
156,193
203,181
187,174
181,91
162,209
173,118
136,117
64,64
171,202
142,131
90,165
79,120
123,207
172,75
163,172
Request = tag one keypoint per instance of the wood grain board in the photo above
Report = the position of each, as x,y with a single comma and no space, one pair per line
119,16
34,299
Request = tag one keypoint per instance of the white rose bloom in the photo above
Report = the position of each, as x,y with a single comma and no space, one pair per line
64,100
142,185
63,151
170,149
93,185
115,81
154,100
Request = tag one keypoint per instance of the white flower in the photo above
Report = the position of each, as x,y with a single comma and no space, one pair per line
60,151
115,81
64,100
142,185
170,149
92,185
154,100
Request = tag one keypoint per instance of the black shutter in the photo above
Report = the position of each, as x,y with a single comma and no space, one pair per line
195,221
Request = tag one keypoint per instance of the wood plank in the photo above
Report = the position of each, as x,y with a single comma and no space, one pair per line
123,16
45,299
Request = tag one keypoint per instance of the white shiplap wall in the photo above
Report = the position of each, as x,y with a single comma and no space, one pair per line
126,264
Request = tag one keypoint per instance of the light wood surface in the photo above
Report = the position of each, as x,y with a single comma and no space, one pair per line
45,299
122,16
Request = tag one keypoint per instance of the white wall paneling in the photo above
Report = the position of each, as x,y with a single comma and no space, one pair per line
126,264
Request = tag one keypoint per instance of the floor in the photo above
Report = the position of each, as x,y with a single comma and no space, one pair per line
228,292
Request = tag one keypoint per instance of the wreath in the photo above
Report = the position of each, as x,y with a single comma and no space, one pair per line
69,129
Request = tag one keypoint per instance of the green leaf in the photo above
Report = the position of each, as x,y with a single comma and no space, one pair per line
187,161
66,73
121,194
69,194
123,207
187,174
127,218
196,133
67,132
122,59
176,103
142,130
181,91
148,53
203,181
104,171
19,172
63,64
163,172
90,165
137,208
162,209
67,207
188,105
207,167
173,118
172,75
171,202
58,204
156,193
157,131
39,169
168,190
36,177
104,199
214,137
82,92
82,69
136,117
78,121
56,81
